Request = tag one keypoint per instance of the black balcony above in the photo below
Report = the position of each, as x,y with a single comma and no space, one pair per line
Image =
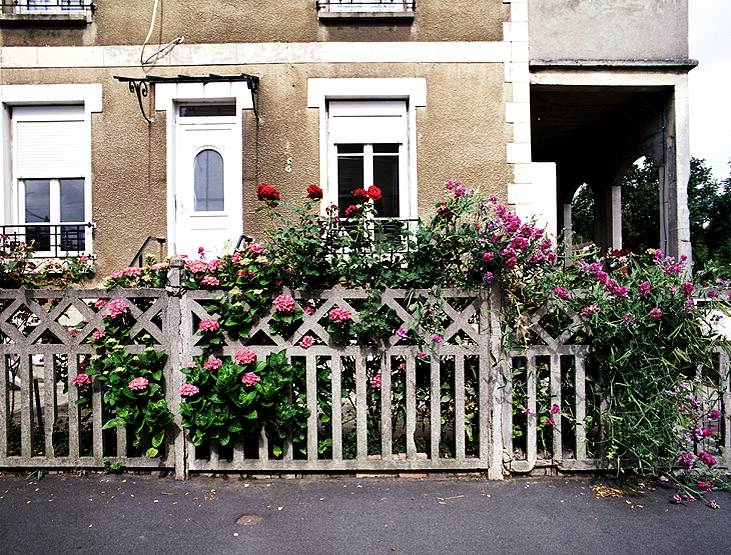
46,11
365,9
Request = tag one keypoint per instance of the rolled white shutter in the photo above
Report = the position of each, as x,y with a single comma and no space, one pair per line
367,121
47,144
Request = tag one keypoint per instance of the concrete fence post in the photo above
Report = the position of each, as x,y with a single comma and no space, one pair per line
176,292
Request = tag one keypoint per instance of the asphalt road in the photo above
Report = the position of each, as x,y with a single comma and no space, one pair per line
130,513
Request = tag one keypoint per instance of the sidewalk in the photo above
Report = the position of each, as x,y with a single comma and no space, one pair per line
129,513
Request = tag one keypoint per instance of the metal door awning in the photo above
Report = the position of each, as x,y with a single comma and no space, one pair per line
141,85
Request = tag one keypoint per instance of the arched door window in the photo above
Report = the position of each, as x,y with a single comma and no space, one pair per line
208,181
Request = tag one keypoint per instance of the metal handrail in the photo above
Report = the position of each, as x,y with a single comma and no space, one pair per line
138,257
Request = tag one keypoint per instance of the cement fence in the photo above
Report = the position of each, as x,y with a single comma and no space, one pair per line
472,403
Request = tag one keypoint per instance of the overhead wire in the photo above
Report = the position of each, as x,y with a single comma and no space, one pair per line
177,40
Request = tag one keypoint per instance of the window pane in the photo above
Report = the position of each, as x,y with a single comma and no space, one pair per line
38,209
385,177
72,200
208,181
385,147
350,149
350,178
207,110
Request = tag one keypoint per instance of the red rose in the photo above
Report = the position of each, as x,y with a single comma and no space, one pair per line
314,192
352,209
374,193
267,193
361,195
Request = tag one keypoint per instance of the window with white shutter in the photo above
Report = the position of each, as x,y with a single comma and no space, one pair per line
50,149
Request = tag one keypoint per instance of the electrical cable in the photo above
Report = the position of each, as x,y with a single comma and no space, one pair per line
177,40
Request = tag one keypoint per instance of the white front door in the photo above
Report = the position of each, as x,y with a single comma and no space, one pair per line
208,211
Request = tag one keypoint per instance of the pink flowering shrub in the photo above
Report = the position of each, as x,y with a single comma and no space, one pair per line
138,384
244,356
188,390
81,380
115,308
244,396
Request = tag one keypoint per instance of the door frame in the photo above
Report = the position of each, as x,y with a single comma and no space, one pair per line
167,98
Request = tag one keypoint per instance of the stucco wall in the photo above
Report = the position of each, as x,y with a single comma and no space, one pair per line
461,133
236,21
621,30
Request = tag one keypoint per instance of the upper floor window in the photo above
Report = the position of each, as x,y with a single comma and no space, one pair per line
366,8
61,10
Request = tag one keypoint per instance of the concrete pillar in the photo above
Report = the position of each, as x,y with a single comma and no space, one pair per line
674,176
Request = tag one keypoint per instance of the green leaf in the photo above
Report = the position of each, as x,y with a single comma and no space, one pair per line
114,422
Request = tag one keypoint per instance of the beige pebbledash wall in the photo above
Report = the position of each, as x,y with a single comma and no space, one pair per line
461,133
236,21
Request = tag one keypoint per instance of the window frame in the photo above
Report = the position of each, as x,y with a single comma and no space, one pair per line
46,98
412,91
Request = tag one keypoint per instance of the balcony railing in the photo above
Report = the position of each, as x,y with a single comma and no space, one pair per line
367,5
67,240
45,7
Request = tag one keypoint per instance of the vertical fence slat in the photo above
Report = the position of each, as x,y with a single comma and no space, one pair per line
49,400
556,399
580,409
484,408
26,406
121,432
238,454
435,411
411,407
531,372
361,409
215,445
337,407
311,388
459,401
386,432
263,447
725,379
4,405
96,419
73,410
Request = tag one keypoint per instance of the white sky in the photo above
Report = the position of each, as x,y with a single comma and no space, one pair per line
710,83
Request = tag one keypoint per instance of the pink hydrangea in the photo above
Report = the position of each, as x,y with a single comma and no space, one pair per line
250,379
244,356
188,390
306,342
115,308
192,364
138,384
213,364
214,265
98,334
376,381
284,303
339,315
211,281
81,380
101,303
256,247
208,325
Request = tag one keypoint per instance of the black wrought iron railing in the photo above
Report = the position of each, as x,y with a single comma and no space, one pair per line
43,7
67,240
367,5
377,233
